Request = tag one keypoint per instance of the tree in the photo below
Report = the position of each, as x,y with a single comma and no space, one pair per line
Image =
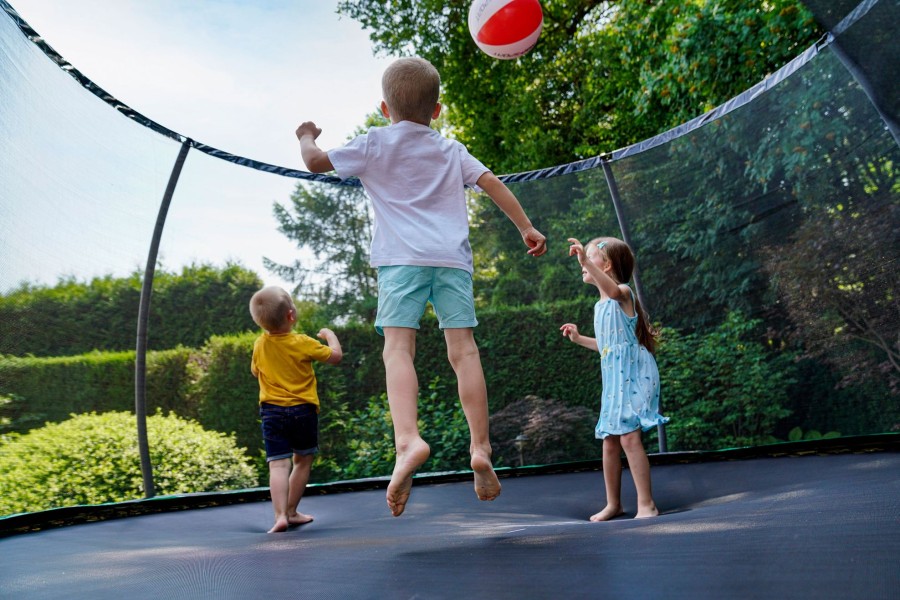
604,74
335,223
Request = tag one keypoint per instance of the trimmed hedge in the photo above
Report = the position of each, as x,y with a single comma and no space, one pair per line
723,387
52,389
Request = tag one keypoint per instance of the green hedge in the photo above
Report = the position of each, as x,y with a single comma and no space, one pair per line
728,386
50,389
72,317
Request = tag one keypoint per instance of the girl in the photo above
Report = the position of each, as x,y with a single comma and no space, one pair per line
630,401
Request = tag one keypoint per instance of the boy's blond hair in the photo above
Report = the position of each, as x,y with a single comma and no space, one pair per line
411,87
270,307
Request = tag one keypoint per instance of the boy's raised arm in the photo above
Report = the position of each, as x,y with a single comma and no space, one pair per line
509,204
315,159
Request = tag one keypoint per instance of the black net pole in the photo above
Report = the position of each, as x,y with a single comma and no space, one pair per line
626,237
140,359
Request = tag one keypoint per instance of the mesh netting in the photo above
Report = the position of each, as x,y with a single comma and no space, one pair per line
780,207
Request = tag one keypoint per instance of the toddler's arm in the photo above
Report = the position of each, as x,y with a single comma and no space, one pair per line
509,204
331,339
570,330
315,159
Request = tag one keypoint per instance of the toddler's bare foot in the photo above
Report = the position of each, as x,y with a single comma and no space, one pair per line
408,461
610,512
299,519
281,524
487,486
647,512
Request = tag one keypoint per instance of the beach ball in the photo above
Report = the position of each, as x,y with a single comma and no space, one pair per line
505,29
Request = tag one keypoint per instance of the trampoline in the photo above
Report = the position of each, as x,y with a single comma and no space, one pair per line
814,519
796,523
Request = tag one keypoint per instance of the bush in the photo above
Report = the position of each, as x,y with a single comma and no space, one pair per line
91,459
368,437
723,388
554,432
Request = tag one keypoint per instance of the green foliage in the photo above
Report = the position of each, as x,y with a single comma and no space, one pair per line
51,389
723,388
602,76
227,395
91,459
796,434
74,317
335,223
369,436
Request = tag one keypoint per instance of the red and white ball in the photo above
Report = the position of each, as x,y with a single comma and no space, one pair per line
505,29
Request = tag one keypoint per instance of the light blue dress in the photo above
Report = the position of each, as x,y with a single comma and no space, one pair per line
630,398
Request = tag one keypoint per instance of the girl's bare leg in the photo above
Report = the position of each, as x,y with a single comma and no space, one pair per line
403,394
612,479
639,465
462,352
299,479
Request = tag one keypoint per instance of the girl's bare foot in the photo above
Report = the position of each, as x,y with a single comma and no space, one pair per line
408,461
281,524
487,486
299,519
647,512
610,512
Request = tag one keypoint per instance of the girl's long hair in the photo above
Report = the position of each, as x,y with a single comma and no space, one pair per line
621,258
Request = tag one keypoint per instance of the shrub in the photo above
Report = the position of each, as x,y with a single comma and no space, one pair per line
554,432
369,437
723,388
91,459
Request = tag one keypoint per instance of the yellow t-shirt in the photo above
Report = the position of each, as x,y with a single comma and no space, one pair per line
283,365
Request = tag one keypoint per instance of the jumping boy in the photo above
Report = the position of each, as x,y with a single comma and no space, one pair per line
415,178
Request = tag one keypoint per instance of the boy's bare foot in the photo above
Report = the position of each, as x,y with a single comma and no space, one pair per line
487,486
647,512
408,461
299,519
608,513
281,524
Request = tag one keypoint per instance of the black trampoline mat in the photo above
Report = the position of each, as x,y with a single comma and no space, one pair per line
789,527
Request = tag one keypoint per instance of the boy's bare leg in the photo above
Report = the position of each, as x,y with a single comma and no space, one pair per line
639,465
466,362
299,479
403,395
279,475
612,479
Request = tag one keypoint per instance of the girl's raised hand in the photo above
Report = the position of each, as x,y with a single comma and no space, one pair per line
570,330
577,249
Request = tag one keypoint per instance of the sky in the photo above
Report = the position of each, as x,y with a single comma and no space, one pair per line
239,75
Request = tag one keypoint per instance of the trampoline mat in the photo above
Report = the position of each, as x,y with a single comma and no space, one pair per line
789,527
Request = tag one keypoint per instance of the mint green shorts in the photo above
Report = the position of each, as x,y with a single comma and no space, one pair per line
403,292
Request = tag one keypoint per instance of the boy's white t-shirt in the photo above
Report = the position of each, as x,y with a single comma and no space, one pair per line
415,178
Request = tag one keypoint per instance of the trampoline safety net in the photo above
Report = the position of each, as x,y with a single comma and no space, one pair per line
766,237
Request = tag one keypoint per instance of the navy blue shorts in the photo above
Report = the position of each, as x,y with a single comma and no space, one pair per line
289,430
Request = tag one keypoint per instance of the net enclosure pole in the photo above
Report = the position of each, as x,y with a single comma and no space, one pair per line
626,237
140,359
